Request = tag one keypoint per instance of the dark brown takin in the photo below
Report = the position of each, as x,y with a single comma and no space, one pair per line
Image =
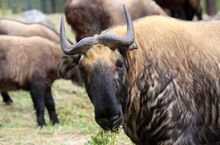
89,17
182,9
160,79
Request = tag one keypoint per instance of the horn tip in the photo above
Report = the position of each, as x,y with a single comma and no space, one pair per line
62,19
125,7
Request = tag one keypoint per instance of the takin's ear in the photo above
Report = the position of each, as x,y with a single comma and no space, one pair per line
132,46
67,63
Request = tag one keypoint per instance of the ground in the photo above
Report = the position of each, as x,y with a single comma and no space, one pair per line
75,111
18,121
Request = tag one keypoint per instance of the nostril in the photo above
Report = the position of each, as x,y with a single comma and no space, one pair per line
115,118
110,123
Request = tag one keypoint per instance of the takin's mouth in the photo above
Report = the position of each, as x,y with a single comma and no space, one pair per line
112,124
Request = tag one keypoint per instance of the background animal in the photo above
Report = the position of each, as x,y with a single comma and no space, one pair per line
31,63
89,17
161,78
17,28
183,9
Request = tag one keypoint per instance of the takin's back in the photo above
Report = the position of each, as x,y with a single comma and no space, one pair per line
166,37
16,28
137,8
23,57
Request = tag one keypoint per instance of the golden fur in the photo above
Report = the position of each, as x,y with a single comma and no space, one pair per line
184,57
184,50
93,56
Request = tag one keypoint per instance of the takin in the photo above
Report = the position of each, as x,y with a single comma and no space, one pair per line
159,79
31,64
182,9
89,17
17,28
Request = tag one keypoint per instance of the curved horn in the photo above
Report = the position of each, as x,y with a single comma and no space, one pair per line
125,41
79,48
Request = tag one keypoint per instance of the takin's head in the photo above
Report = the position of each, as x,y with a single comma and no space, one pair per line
103,67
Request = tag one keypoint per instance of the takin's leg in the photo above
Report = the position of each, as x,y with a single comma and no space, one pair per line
37,91
199,16
199,13
178,13
49,101
6,98
189,13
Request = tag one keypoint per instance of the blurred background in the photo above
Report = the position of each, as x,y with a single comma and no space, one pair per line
17,6
57,6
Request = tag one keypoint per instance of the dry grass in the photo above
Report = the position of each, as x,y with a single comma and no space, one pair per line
18,125
18,121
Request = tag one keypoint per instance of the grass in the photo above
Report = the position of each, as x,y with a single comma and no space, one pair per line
77,127
102,138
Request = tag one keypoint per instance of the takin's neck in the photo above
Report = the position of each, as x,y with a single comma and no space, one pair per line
146,117
163,108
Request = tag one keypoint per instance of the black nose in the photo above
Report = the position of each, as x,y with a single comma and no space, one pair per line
112,123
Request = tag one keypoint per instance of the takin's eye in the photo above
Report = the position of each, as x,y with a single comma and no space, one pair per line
119,65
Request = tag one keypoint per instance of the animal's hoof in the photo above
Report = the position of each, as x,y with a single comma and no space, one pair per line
8,102
42,126
55,121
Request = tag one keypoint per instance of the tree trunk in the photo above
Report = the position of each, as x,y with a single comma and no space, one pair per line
53,5
29,5
17,6
4,7
211,7
43,6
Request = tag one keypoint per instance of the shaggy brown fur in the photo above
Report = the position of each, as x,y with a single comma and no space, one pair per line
16,28
24,57
89,17
31,63
183,9
173,81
